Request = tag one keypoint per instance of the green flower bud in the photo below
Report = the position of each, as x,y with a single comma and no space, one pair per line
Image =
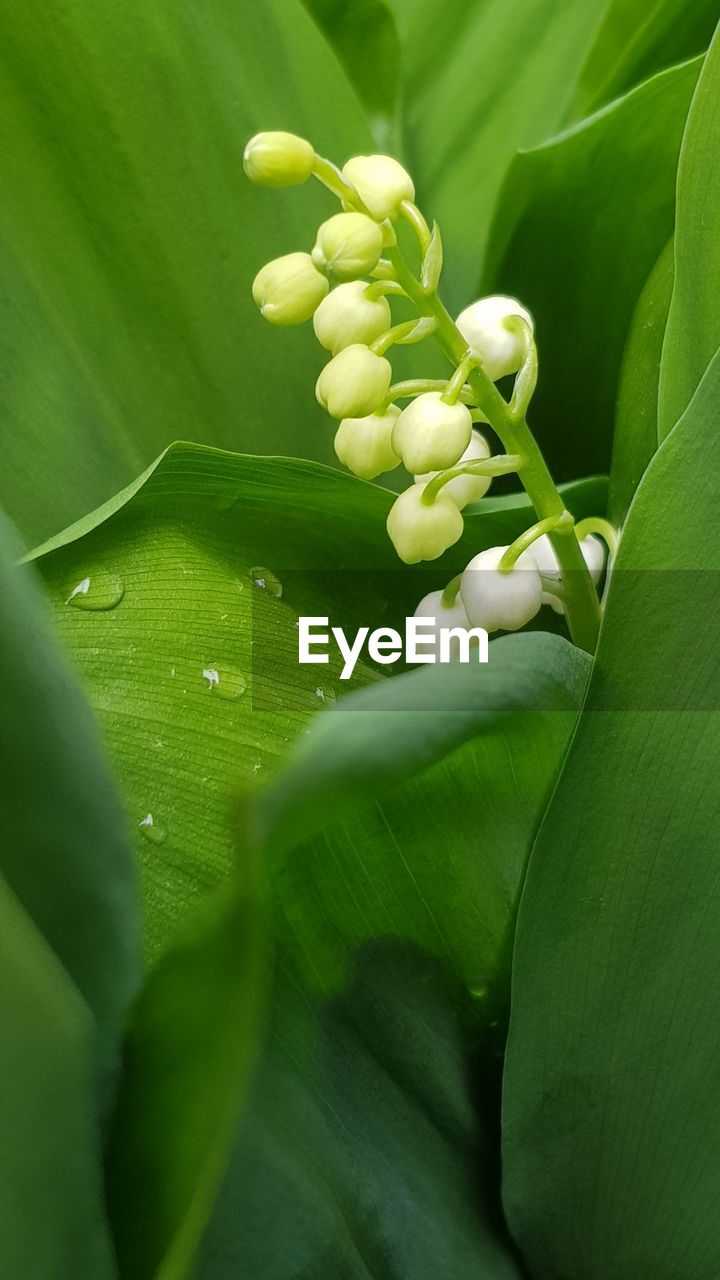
501,601
423,531
278,160
381,183
465,489
289,289
348,246
346,316
354,383
482,325
430,434
364,445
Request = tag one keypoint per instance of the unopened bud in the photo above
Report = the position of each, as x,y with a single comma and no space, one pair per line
420,530
354,383
289,289
542,549
443,616
364,445
347,316
381,183
278,159
483,327
501,601
348,245
465,489
430,434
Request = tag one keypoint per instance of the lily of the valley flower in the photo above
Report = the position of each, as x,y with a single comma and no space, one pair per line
348,245
381,183
483,327
364,445
501,601
420,530
431,434
354,383
348,316
289,289
278,159
468,488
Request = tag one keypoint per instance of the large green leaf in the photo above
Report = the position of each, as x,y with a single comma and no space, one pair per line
483,79
52,1224
580,225
636,428
129,237
638,39
65,852
174,567
191,1046
364,1152
365,38
612,1089
693,330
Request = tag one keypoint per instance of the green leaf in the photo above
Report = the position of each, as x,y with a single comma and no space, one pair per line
612,1096
180,556
192,1043
129,237
600,200
365,38
635,439
364,1152
637,40
65,849
693,330
482,81
52,1224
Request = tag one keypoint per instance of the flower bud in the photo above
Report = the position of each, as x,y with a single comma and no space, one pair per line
354,383
483,328
346,316
381,183
430,434
453,615
364,445
278,159
542,550
348,245
465,489
501,601
288,290
423,531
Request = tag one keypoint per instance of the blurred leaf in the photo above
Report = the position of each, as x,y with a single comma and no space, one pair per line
612,1092
182,556
483,79
52,1224
638,39
636,431
129,237
65,849
365,39
364,1151
580,224
191,1047
693,330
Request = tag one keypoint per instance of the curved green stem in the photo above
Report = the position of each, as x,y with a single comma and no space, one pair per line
450,594
606,531
526,539
503,464
418,386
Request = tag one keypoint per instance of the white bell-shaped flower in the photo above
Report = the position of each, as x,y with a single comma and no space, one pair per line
501,601
289,289
278,159
347,316
483,327
381,183
420,530
354,383
444,616
430,434
465,489
364,445
348,245
593,555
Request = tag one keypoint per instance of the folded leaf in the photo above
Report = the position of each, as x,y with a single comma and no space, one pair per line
364,36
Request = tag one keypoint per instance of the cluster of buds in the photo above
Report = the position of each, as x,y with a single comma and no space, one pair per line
344,284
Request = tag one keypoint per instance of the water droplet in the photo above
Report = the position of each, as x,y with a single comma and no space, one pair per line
325,695
267,581
225,682
257,766
151,830
97,592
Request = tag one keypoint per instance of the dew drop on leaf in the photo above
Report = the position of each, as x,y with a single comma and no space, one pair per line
152,832
267,581
225,682
98,592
